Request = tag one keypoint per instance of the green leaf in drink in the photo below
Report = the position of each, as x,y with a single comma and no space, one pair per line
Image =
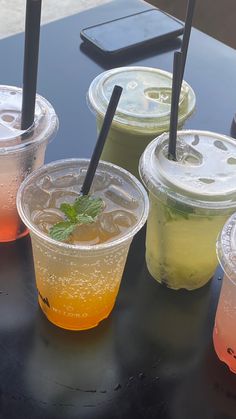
61,231
85,210
85,219
87,205
70,212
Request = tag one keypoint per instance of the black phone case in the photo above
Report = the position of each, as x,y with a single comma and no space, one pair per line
131,46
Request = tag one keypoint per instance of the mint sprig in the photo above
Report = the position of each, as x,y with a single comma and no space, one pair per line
85,210
61,231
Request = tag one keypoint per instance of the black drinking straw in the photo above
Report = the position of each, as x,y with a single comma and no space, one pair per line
187,32
111,109
176,86
32,33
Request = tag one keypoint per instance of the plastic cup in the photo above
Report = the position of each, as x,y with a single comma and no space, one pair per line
143,111
224,331
78,284
20,153
190,200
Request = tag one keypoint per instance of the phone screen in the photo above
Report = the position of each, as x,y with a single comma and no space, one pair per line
132,30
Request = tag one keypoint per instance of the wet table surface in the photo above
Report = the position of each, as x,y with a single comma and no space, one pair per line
153,357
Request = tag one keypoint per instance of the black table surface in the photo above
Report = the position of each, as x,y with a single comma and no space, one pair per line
153,357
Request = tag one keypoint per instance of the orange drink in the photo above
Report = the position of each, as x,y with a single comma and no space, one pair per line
78,279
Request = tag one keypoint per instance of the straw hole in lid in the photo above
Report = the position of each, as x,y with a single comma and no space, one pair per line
191,159
7,117
206,180
220,145
162,95
231,160
12,93
196,140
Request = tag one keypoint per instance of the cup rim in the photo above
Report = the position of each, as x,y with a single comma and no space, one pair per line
156,186
47,134
225,252
146,123
98,247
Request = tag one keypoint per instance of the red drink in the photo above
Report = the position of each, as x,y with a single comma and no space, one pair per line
20,153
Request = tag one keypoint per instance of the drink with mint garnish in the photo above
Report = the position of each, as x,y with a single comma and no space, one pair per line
143,111
190,200
80,243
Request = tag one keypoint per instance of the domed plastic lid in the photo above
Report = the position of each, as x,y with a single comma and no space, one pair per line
12,138
146,98
226,247
205,170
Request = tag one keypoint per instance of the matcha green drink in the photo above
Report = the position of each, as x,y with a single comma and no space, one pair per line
143,111
190,200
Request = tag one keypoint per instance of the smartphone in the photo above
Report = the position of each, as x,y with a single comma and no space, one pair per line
132,32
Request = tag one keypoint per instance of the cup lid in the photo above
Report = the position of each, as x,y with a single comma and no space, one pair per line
12,138
226,247
203,175
146,98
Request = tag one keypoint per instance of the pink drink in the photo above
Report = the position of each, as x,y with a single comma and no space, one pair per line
20,153
224,335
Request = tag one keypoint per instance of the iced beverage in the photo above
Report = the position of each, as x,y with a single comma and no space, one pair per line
20,153
143,111
190,200
78,280
224,331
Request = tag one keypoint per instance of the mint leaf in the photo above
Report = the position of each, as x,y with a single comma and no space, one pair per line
87,205
69,211
84,219
84,211
61,231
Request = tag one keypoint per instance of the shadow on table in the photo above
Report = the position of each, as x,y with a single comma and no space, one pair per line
163,327
17,286
130,57
166,352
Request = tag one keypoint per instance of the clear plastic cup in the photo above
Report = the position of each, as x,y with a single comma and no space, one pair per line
78,283
20,153
224,336
190,200
143,111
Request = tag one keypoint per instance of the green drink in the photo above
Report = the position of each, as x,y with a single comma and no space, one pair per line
190,200
143,111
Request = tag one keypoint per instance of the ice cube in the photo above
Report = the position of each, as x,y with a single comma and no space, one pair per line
102,181
45,219
120,197
37,198
45,183
87,234
59,196
66,181
107,224
123,218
